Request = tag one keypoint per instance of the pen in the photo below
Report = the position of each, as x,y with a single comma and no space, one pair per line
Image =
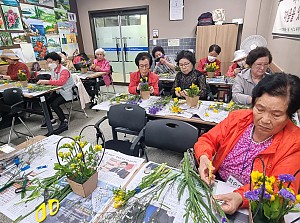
6,186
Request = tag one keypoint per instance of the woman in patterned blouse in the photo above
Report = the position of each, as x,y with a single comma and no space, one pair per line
188,75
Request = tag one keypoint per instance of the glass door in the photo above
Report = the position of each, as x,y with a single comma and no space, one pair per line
122,35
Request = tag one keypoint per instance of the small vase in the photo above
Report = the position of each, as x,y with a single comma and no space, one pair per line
192,101
210,74
145,95
84,70
86,188
261,219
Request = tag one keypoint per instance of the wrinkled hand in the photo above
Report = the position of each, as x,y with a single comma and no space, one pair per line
237,70
231,202
138,87
151,89
43,82
203,169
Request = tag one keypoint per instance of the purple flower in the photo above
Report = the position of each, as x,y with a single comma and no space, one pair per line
154,109
223,220
286,177
287,194
252,195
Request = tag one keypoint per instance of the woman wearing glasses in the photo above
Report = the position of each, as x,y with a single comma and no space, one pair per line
258,60
143,61
188,75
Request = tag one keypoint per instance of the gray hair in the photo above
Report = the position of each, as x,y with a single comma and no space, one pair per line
100,50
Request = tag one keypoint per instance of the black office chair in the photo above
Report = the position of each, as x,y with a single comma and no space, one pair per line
168,134
125,118
13,102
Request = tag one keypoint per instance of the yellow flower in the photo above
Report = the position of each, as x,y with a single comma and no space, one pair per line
216,111
30,86
272,198
141,79
176,109
178,89
298,198
269,188
211,106
73,165
206,114
98,148
67,154
175,99
79,155
271,180
256,176
61,154
81,144
118,204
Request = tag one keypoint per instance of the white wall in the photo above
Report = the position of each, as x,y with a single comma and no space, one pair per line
260,20
159,15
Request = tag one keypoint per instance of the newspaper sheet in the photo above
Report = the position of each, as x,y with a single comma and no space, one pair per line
115,170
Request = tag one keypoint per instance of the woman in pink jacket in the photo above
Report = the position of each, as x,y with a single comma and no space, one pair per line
143,62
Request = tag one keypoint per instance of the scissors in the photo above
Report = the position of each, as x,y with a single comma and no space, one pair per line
42,207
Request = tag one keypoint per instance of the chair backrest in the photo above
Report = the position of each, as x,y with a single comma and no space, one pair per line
43,77
127,118
170,134
12,96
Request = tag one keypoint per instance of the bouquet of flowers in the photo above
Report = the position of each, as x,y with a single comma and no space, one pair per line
144,85
22,75
80,160
193,90
212,67
271,198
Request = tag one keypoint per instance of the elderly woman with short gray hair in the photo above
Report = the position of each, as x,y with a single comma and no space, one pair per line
101,66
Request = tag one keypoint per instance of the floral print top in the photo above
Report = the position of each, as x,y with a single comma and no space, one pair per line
238,162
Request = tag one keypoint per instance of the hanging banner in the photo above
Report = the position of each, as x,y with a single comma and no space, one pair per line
287,21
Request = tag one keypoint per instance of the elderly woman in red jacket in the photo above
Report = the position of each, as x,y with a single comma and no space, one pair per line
266,131
143,61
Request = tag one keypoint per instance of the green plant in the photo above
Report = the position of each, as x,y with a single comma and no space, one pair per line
22,75
144,85
212,67
193,90
78,160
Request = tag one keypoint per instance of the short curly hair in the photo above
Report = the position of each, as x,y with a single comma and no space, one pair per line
187,55
143,56
256,53
100,50
54,56
157,48
280,84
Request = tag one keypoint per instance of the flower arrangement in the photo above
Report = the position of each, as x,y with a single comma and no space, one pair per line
175,107
199,204
211,67
22,75
144,85
80,163
11,19
271,198
193,91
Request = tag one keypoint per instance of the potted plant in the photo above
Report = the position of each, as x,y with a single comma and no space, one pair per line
211,69
192,98
22,77
79,160
271,198
144,88
84,66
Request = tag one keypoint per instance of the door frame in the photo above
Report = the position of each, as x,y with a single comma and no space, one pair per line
116,12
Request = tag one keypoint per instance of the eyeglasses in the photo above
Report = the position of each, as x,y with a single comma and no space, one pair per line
146,66
184,64
261,65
